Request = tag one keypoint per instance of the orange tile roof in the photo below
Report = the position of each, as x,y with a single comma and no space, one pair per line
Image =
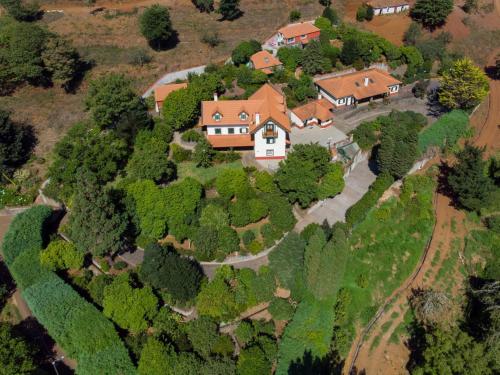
319,109
297,29
161,92
353,84
263,60
267,102
224,141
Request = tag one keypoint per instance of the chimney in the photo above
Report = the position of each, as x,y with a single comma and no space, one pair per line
366,81
257,118
216,97
320,96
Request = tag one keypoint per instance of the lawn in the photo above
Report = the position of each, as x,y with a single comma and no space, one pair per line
204,175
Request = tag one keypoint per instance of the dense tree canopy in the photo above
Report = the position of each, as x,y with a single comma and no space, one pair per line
96,224
313,61
432,13
150,159
299,174
110,97
21,12
163,268
156,26
61,60
60,255
463,86
140,307
16,356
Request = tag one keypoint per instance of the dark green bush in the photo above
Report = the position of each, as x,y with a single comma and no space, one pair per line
280,309
255,247
247,237
180,154
121,265
280,212
26,232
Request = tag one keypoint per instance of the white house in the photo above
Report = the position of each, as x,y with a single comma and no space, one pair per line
358,87
259,123
317,113
381,7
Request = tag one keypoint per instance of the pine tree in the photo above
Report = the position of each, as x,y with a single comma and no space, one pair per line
468,179
96,225
432,13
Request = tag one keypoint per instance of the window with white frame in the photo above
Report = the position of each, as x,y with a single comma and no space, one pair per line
269,152
217,116
218,131
243,116
290,40
341,101
270,141
230,131
244,130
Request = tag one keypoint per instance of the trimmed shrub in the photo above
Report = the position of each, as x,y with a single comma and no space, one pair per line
255,247
357,212
26,232
191,135
280,212
180,154
60,255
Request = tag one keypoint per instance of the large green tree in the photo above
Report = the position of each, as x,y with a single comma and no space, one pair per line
299,174
241,54
313,61
16,356
156,26
61,60
165,269
156,359
21,12
150,159
452,352
110,97
130,306
468,179
432,13
96,224
464,85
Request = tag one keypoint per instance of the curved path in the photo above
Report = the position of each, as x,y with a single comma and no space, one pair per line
332,210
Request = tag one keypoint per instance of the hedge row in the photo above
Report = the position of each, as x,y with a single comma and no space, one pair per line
76,325
357,212
445,132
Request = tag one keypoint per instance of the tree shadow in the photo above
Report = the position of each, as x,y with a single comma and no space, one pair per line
83,67
163,45
330,364
233,17
434,107
416,345
372,162
493,71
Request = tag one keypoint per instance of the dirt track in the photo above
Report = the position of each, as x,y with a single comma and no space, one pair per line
388,358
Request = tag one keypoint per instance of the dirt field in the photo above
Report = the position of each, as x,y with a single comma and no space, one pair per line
391,27
387,358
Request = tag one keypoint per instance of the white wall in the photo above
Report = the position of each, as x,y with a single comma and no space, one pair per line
390,10
296,120
224,129
278,148
347,101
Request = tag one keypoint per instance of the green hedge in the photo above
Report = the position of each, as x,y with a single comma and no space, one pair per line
357,212
76,325
444,132
25,232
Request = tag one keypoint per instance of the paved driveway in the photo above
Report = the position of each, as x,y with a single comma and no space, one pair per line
315,134
334,209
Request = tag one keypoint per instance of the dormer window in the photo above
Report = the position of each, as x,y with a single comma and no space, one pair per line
217,116
243,116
